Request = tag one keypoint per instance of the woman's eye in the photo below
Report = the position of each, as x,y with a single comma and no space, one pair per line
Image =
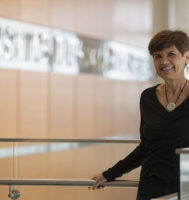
157,56
171,54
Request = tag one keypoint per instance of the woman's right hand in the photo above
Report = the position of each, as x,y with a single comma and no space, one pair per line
99,179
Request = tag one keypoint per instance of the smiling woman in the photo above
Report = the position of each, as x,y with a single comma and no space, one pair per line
170,54
164,121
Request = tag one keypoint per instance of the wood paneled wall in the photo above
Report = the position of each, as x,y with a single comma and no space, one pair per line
107,19
48,105
62,94
81,163
8,103
34,104
52,105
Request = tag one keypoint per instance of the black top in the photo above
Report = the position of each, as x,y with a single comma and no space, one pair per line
161,132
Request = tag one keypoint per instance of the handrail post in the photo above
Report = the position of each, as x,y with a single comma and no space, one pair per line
13,194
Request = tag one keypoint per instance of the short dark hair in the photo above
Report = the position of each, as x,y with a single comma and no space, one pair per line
167,38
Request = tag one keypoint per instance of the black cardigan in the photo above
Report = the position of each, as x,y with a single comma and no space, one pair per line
161,132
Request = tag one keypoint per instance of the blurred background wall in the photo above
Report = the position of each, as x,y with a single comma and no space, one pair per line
51,105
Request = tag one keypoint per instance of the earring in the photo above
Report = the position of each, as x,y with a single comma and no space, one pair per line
187,70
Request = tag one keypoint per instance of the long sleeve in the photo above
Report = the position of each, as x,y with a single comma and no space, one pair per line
161,132
132,161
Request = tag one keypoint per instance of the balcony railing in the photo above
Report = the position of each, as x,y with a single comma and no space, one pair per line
15,194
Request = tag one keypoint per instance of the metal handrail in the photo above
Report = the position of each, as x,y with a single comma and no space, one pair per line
67,182
15,194
182,151
60,140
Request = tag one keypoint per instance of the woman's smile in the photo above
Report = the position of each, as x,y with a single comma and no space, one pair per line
167,68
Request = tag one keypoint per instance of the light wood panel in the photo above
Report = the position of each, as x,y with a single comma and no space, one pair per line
62,14
33,166
61,192
34,11
6,167
8,103
34,105
84,106
62,110
34,192
61,166
98,159
67,106
104,108
126,106
39,162
9,8
90,161
94,18
4,192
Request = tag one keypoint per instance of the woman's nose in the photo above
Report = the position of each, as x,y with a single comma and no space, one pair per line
164,60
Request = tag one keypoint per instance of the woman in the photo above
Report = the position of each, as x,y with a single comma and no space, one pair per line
164,121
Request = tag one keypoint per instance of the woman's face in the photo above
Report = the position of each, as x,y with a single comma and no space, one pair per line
170,63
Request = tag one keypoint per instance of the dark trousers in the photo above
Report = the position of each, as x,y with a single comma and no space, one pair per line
154,187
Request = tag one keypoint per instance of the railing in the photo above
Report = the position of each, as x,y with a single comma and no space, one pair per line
101,141
184,173
66,182
15,194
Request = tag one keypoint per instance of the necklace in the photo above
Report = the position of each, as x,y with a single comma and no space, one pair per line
171,105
